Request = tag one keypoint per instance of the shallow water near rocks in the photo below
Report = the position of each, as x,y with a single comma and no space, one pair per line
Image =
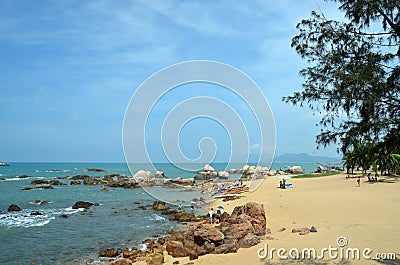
76,237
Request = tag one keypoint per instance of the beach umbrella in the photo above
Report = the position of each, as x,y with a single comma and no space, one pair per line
220,207
285,177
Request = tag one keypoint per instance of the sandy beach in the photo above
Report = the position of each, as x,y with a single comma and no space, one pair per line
367,217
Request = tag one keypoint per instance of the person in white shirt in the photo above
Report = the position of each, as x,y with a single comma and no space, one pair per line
211,213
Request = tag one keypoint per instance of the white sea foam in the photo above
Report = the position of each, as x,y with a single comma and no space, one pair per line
157,218
52,170
143,247
24,218
16,178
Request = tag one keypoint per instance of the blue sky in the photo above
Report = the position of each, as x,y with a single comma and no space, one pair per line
69,68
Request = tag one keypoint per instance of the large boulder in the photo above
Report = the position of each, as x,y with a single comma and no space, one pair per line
241,229
208,168
176,249
249,240
237,231
208,234
160,206
183,182
223,175
124,182
296,170
143,176
159,174
252,212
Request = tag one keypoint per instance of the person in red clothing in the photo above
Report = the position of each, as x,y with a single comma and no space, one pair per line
358,181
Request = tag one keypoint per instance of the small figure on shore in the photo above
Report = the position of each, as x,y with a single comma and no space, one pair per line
192,203
281,184
180,207
211,213
284,184
358,182
218,216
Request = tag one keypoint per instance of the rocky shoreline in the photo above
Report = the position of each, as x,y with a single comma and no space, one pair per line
144,178
244,228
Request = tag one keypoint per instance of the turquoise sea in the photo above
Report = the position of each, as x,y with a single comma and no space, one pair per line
115,222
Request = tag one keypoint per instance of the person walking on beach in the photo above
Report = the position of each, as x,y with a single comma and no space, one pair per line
211,213
218,216
358,182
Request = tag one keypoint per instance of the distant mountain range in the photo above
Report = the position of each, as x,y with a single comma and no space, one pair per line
303,157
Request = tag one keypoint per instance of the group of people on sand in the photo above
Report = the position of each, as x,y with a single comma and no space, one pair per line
282,184
216,216
371,179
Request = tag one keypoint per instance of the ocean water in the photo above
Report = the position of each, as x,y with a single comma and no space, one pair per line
115,222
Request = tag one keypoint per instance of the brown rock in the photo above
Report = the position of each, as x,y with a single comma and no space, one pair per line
304,230
209,247
24,176
82,176
39,181
237,231
161,240
256,213
230,247
225,217
175,262
176,249
249,240
193,255
122,262
13,208
56,182
75,182
133,255
82,204
155,259
159,206
282,229
89,180
208,233
183,217
110,252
